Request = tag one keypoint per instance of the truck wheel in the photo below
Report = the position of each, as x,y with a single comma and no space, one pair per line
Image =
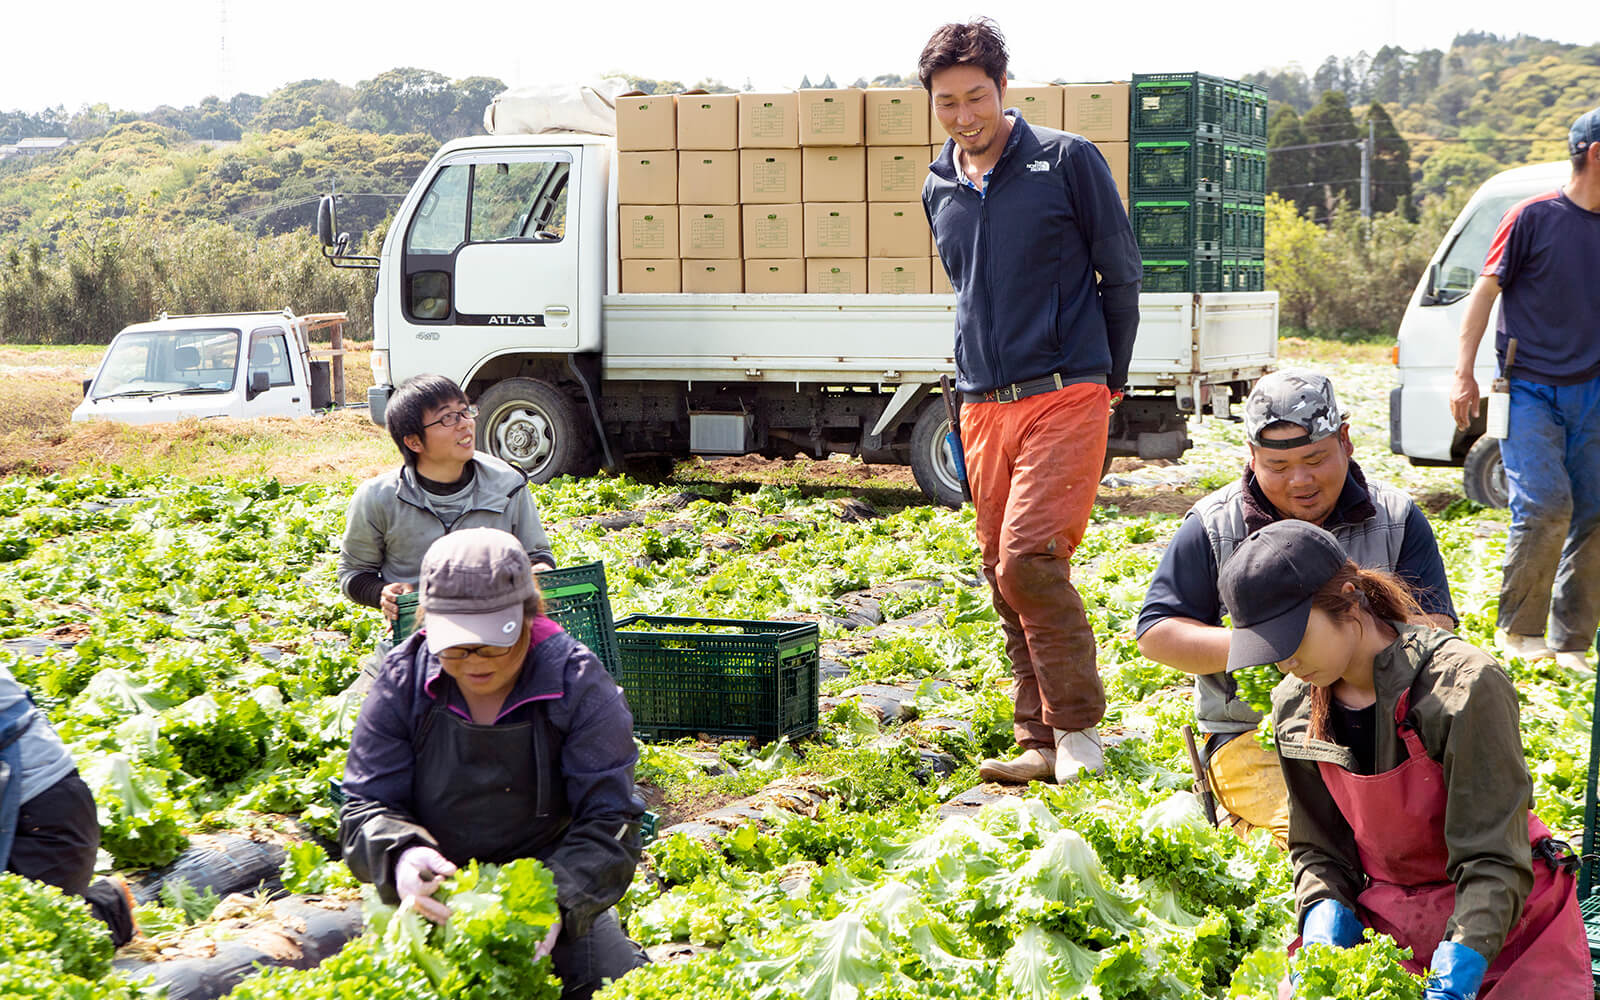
1483,475
931,463
534,426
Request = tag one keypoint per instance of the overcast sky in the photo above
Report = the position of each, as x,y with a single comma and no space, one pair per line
136,56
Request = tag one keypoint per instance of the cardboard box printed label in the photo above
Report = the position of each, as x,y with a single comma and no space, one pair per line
836,276
769,176
652,276
833,173
712,276
898,276
708,121
646,121
896,173
647,178
648,231
1116,154
1040,104
831,117
897,116
708,231
898,229
774,231
775,276
769,120
836,229
708,177
1096,111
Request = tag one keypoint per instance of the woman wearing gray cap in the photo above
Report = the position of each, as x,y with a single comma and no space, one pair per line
1408,789
493,735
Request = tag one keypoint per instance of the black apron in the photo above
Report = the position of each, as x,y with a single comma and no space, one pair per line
488,793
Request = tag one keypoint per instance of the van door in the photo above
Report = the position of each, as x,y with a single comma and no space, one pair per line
269,354
489,262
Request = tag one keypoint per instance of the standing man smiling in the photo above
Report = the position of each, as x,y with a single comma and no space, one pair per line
1025,218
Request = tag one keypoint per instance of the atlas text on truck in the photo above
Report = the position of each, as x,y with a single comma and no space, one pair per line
257,364
501,271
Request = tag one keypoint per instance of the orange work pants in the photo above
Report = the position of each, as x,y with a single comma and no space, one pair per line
1034,467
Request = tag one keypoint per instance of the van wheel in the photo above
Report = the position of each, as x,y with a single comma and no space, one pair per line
931,462
1483,474
534,426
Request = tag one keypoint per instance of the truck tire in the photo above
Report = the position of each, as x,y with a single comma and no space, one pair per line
931,463
534,426
1483,475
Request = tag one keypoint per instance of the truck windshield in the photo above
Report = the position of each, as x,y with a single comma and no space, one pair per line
162,361
1458,269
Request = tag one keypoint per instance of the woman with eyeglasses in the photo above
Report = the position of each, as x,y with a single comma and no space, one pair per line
490,735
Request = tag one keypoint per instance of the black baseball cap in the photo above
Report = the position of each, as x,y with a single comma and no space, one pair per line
1267,586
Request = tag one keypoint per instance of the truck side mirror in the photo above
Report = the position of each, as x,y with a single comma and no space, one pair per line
1430,291
86,384
325,220
259,382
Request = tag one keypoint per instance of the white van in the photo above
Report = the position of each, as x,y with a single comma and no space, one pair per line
1420,425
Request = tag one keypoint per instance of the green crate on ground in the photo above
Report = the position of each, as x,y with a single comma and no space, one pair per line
1185,225
1177,102
405,621
1183,167
719,676
648,824
576,598
1191,273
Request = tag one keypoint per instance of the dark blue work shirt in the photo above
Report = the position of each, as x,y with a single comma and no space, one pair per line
1546,255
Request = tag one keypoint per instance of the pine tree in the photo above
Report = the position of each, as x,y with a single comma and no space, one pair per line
1335,169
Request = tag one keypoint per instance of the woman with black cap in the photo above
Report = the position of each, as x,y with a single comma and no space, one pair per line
492,735
1409,792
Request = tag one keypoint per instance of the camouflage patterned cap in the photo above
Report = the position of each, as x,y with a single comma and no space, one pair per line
1302,398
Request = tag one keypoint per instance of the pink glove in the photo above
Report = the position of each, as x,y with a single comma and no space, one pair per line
548,945
417,875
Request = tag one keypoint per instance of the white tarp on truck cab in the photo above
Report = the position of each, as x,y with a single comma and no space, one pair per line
556,107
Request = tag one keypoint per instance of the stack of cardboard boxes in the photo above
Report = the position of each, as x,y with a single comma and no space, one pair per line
806,191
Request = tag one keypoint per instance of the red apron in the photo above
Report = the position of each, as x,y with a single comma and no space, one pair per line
1398,821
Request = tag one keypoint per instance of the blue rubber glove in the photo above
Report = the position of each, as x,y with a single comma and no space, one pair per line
1455,973
1331,922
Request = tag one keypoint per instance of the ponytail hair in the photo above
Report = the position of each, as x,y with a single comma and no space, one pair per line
1378,592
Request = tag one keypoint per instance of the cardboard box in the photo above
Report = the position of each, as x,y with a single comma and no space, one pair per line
897,116
896,173
833,173
647,177
775,275
898,229
1096,111
646,121
652,276
708,177
769,176
773,232
1040,104
836,276
769,121
831,117
898,275
712,276
836,229
940,282
1116,154
708,231
708,121
648,231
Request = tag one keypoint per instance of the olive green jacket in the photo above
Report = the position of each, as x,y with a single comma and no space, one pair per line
1464,708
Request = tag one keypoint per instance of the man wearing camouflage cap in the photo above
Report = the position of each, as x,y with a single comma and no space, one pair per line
1300,467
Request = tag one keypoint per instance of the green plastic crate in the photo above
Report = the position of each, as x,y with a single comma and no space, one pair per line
405,620
576,598
1177,102
648,824
1193,273
1257,111
1244,171
1243,274
1183,167
719,676
1184,225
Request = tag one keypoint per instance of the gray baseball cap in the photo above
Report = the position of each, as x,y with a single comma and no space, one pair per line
1585,131
472,589
1292,396
1267,586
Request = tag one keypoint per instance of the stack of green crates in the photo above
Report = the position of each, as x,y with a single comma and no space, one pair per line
1197,177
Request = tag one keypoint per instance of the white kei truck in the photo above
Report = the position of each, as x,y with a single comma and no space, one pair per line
1420,424
501,268
239,365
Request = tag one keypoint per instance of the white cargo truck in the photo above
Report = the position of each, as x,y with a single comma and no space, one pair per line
501,271
1420,424
258,364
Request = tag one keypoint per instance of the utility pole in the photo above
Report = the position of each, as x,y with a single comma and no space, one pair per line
1366,171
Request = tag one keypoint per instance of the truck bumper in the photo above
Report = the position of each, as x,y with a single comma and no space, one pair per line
378,402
